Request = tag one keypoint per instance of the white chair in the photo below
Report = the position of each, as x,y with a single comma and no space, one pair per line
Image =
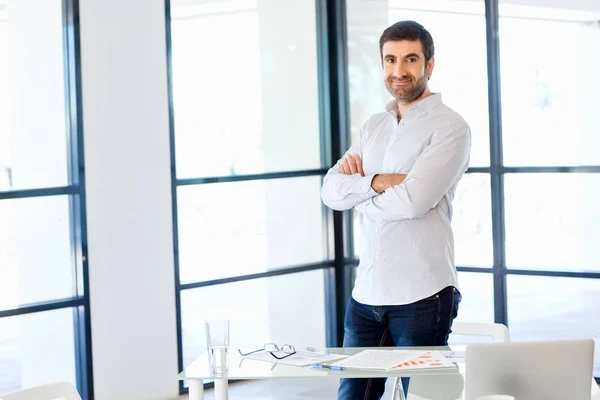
477,331
52,391
595,390
420,387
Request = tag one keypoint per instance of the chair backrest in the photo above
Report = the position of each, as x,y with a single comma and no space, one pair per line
469,332
52,391
595,390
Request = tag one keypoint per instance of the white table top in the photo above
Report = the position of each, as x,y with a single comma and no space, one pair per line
240,368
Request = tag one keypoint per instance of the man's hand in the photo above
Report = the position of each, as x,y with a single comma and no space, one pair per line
352,164
382,182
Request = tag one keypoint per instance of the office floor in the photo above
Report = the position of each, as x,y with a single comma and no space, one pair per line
288,389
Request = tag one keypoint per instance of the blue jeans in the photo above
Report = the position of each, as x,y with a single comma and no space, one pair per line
424,323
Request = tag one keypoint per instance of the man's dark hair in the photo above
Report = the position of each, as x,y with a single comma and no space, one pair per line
408,30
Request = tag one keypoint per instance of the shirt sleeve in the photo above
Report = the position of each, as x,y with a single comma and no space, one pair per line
439,167
343,192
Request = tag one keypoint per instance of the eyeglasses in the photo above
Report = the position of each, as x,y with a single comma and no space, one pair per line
285,351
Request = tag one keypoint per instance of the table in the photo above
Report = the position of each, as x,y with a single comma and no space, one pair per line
240,368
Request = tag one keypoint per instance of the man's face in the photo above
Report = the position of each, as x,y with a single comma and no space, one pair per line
404,69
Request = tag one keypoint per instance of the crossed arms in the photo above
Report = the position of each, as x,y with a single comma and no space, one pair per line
351,164
389,197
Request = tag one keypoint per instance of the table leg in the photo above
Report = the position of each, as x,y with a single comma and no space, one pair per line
221,389
196,390
398,390
394,389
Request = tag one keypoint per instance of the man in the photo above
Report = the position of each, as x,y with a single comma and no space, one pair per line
401,176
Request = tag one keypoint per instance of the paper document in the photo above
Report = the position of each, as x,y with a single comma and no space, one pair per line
301,358
394,359
428,359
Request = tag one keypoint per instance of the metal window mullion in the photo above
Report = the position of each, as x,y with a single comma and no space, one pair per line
39,192
74,217
327,143
496,162
42,307
174,184
249,177
556,274
581,169
478,170
259,275
589,274
334,61
77,203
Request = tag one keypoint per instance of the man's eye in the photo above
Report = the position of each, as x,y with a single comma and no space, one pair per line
412,59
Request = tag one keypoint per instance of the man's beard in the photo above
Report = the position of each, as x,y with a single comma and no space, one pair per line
409,93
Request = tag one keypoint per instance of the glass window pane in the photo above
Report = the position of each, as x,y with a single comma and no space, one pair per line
229,229
35,250
546,118
552,221
549,308
4,101
455,26
477,304
283,309
33,141
247,102
36,349
472,221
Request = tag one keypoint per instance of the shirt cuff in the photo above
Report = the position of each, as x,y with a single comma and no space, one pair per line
363,185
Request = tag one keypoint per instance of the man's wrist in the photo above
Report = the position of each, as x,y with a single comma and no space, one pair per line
382,182
376,183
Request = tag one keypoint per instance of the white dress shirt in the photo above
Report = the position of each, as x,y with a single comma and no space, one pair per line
406,248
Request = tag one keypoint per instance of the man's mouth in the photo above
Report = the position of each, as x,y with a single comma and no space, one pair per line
403,82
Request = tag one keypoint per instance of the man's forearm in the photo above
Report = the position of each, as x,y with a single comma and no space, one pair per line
343,192
382,182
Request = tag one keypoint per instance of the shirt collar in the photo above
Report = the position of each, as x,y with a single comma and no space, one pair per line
423,106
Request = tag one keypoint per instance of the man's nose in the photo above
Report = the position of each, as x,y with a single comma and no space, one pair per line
400,69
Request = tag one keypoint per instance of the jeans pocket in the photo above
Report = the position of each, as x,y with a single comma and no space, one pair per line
428,306
457,296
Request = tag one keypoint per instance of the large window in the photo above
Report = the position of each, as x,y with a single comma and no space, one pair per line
44,324
525,223
260,112
251,232
549,134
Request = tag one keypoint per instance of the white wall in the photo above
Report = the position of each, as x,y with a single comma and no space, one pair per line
129,214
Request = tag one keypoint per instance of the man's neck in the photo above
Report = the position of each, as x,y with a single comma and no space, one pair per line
403,107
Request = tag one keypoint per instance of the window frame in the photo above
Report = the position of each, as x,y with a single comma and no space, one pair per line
335,137
75,190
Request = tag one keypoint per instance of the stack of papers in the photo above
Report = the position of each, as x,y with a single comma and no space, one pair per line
301,358
394,360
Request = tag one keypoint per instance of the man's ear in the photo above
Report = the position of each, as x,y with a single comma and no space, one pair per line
429,67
